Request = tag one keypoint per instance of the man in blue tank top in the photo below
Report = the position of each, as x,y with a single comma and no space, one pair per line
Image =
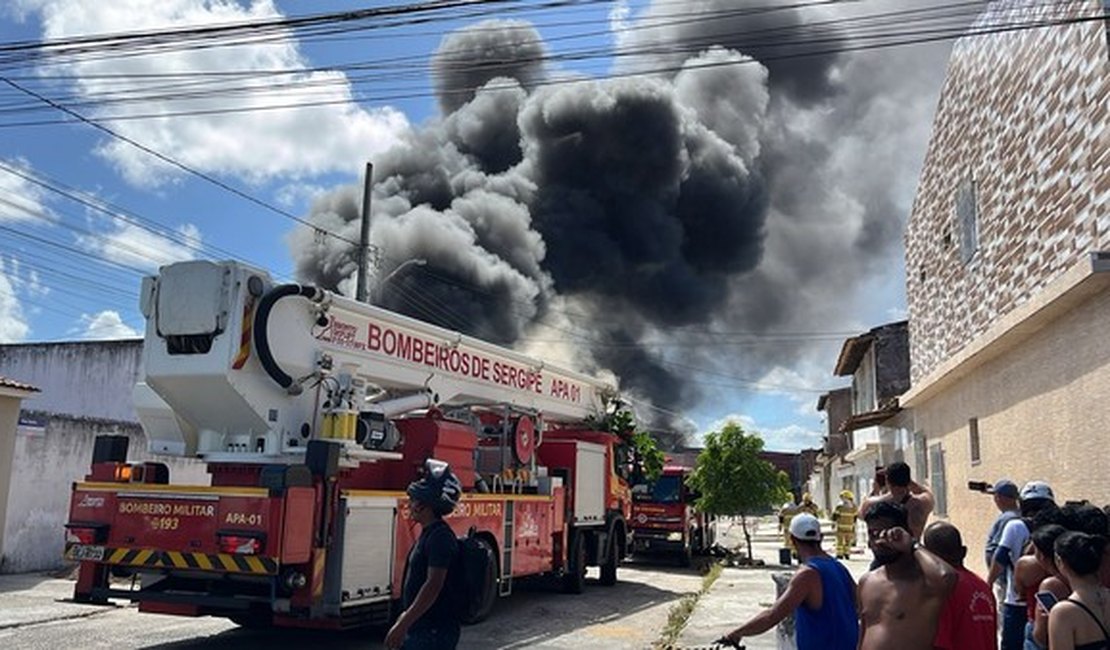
821,595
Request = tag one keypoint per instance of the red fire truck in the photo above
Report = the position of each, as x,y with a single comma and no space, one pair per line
313,412
664,519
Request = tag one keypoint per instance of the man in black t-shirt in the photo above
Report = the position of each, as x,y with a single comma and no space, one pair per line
430,619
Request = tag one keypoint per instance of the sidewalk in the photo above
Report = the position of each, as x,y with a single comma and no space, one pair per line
32,598
740,593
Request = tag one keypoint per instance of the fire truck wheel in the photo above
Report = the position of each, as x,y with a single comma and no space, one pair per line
612,561
489,593
575,578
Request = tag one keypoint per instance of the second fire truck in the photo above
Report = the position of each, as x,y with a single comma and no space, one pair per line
665,521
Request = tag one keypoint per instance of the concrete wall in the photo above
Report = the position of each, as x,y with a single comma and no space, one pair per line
1024,116
90,379
86,391
1042,413
9,416
47,461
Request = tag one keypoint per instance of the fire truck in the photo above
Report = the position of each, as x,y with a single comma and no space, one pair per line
312,413
665,521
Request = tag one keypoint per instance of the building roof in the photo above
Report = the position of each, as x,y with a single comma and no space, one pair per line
851,353
854,348
16,385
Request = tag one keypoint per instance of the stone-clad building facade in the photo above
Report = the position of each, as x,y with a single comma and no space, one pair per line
1022,134
1008,296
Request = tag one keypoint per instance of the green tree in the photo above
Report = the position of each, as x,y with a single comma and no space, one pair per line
646,458
733,480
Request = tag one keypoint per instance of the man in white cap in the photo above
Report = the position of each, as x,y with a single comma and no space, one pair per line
821,595
1034,497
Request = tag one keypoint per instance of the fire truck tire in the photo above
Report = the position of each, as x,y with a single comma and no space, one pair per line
489,594
575,578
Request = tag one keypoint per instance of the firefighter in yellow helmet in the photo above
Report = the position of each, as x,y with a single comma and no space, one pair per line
845,518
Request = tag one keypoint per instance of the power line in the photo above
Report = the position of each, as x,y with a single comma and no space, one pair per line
912,37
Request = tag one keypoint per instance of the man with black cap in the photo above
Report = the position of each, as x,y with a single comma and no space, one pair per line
821,595
430,619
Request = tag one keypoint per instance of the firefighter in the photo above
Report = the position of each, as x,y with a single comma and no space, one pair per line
807,505
786,515
429,619
845,518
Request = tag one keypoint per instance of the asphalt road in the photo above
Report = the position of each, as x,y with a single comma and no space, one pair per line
630,615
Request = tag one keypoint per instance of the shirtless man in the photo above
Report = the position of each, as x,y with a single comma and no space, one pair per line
901,601
917,499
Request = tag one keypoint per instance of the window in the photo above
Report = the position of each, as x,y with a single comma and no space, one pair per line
936,479
967,213
666,489
920,460
973,435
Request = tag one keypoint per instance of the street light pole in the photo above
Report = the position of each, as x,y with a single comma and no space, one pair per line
379,285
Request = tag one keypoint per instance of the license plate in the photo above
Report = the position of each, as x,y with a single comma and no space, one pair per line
86,553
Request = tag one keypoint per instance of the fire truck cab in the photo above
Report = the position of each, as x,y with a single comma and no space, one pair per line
665,521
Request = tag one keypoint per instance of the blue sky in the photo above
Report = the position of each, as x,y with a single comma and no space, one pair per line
71,271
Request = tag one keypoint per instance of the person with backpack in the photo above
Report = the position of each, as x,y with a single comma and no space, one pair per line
430,618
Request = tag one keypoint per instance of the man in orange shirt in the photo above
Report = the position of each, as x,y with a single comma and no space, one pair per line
969,619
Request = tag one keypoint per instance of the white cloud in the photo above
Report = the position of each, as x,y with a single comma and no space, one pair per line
134,246
13,322
619,15
292,142
792,437
296,195
20,200
106,325
28,283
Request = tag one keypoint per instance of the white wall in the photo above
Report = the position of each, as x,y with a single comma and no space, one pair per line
91,379
47,462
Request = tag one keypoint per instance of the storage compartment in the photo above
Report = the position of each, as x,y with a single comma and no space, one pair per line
583,464
366,558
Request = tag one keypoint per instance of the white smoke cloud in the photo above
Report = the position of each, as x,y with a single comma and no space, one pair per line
289,142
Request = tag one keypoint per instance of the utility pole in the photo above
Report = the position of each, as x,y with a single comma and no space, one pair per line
361,293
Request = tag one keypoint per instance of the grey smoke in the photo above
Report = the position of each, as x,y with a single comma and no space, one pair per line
472,56
739,197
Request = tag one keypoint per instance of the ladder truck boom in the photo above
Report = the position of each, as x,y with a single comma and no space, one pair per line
243,363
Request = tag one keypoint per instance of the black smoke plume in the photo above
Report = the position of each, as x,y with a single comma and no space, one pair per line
626,218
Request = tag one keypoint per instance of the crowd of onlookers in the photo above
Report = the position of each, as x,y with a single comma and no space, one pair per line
1044,585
